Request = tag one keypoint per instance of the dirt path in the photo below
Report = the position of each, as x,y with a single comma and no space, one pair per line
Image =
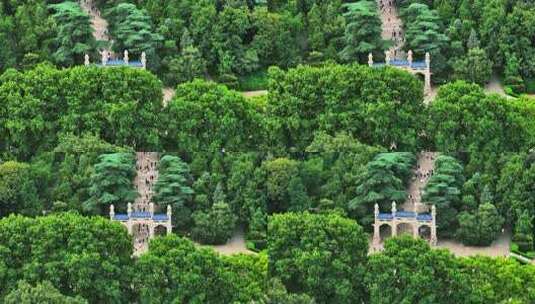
392,27
235,245
100,25
495,86
146,177
250,94
421,175
498,248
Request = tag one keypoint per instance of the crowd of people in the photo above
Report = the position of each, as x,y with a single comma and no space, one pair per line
423,171
392,27
147,175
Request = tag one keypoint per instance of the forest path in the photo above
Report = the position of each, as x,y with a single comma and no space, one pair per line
499,248
146,177
234,246
495,86
421,174
392,27
100,25
250,94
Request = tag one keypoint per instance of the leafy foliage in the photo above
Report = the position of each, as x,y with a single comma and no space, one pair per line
111,183
18,192
75,36
375,106
408,271
362,32
320,255
172,187
85,256
41,293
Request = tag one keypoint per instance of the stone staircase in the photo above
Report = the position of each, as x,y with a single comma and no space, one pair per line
146,177
392,28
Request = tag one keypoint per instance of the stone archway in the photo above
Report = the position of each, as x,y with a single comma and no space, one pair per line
385,231
160,230
424,232
405,228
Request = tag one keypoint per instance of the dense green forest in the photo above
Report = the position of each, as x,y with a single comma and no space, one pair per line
237,40
313,155
297,170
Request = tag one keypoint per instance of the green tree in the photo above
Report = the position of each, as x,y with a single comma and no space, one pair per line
524,232
204,116
123,107
41,293
283,185
90,257
72,167
478,123
277,294
375,106
112,183
409,271
215,226
276,36
481,228
249,275
174,270
425,34
362,31
189,65
320,255
384,181
498,280
444,191
18,192
172,188
75,36
132,30
476,67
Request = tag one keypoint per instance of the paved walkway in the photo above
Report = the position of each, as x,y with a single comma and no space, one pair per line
249,94
168,94
392,27
147,175
100,25
421,174
234,246
498,248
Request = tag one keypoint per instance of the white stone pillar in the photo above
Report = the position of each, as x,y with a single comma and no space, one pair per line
86,60
415,228
129,209
151,209
370,59
376,228
394,220
151,230
144,60
112,212
169,223
129,226
387,57
104,57
409,58
427,74
125,58
434,226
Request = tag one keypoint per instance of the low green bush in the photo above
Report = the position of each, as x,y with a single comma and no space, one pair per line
254,82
